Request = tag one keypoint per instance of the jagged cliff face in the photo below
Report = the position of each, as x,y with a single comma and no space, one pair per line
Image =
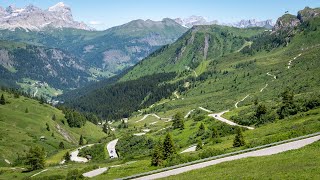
36,19
289,21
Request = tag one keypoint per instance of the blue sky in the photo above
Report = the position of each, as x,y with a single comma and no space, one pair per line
103,14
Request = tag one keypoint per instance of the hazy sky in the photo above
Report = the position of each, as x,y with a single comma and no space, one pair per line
102,14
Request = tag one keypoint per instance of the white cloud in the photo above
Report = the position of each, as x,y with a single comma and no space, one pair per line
96,23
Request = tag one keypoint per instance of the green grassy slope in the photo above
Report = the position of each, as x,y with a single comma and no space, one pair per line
21,130
296,164
197,45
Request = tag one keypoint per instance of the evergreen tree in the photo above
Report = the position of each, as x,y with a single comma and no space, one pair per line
42,100
168,147
16,95
2,100
54,117
178,121
201,130
157,156
61,145
106,128
35,158
261,110
255,102
48,128
52,134
288,107
81,140
238,139
199,145
215,133
67,157
27,110
287,96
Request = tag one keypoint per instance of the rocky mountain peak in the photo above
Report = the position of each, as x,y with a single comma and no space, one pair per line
308,13
193,20
30,8
286,21
199,20
289,21
60,7
2,11
35,19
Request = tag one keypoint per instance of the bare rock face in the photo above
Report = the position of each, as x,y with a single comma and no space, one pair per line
287,21
308,13
199,20
5,59
253,23
194,21
35,19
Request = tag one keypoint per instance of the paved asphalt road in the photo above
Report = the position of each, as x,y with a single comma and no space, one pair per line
262,152
218,117
112,149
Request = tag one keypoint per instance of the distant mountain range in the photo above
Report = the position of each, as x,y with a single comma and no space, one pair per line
199,20
60,16
35,19
84,54
82,51
194,20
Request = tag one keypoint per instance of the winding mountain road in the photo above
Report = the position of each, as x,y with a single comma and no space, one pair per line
74,155
35,93
176,94
111,147
261,152
95,172
156,116
218,117
190,149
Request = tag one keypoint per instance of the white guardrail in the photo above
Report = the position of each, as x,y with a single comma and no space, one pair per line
217,157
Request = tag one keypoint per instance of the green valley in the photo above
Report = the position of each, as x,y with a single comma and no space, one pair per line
247,98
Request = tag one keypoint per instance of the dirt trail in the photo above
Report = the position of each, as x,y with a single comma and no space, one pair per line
236,104
188,114
290,62
204,109
264,87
